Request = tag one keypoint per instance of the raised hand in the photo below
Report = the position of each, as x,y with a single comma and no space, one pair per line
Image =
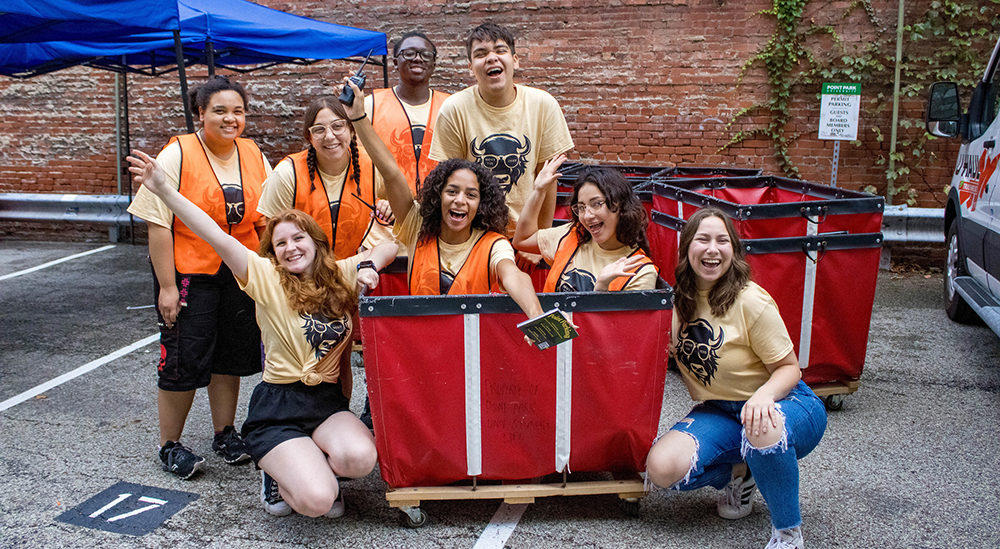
147,171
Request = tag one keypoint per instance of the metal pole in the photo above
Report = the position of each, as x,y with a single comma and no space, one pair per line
210,54
890,190
118,132
385,72
179,52
836,161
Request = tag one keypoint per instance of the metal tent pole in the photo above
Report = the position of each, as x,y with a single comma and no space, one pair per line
179,52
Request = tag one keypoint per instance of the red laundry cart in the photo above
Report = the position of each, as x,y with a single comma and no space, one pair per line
457,396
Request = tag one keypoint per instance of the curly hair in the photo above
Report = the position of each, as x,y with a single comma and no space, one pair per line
620,198
199,97
725,291
309,119
324,290
492,214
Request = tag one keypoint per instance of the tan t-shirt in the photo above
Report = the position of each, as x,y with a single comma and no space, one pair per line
294,343
581,272
279,188
148,207
512,141
452,256
723,358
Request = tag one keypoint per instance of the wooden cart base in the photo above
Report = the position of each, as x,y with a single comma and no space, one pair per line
408,499
833,393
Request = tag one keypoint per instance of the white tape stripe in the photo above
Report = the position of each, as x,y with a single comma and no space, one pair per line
473,402
808,297
564,400
501,526
35,391
56,262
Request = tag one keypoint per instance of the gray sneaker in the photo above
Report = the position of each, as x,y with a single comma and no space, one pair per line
180,461
790,538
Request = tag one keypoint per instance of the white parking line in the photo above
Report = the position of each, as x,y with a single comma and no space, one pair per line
501,526
35,391
56,262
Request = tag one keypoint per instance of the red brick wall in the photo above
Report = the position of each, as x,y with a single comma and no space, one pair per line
641,82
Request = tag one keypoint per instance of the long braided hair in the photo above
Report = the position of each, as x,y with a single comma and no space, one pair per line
312,111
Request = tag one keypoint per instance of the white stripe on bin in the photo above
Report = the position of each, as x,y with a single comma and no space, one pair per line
808,296
564,400
473,402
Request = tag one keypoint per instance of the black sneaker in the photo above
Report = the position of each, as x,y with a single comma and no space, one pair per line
180,461
271,497
230,446
366,415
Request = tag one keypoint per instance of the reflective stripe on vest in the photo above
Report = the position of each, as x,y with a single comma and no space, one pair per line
568,246
393,126
473,276
200,185
347,222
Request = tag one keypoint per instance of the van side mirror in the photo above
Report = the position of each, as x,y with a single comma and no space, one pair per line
943,110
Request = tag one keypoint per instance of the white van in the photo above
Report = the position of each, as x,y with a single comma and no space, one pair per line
972,216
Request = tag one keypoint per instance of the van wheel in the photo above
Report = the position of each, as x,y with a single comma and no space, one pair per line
956,307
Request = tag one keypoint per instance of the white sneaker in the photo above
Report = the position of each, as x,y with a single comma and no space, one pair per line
736,501
790,538
337,510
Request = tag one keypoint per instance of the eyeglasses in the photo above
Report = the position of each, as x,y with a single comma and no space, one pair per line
338,127
410,54
595,207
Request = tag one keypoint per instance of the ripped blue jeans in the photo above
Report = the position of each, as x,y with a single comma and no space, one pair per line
717,431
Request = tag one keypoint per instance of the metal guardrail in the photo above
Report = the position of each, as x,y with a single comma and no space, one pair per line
109,209
899,223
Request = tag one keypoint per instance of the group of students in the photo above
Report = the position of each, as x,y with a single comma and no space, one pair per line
330,217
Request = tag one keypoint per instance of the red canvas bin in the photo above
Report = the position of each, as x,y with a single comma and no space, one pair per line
772,207
456,393
824,286
701,172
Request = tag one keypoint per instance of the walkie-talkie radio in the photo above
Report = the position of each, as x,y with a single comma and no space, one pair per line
347,96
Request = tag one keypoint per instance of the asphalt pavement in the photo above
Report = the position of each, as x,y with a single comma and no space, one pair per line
911,461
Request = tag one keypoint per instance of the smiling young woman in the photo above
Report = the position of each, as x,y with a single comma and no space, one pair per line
757,417
299,429
332,181
208,336
604,247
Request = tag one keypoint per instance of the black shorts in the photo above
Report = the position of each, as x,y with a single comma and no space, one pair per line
280,412
215,333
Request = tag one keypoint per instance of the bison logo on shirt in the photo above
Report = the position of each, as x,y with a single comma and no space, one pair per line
322,333
505,156
697,349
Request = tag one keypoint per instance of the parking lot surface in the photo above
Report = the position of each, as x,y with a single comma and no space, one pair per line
911,461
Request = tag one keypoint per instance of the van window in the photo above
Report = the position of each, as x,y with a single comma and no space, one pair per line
991,106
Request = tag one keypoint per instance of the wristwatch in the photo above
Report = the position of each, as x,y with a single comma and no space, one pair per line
367,264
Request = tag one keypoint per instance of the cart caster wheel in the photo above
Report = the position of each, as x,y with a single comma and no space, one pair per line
834,403
414,518
630,508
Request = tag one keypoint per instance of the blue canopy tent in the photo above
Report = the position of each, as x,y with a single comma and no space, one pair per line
233,34
47,20
154,37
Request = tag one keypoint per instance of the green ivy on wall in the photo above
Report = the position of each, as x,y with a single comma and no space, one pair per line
952,41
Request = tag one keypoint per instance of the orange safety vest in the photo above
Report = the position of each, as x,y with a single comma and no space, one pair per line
473,276
393,126
347,221
568,245
233,208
